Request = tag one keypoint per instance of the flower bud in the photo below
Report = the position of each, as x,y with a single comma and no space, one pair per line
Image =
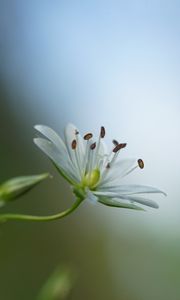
15,187
59,284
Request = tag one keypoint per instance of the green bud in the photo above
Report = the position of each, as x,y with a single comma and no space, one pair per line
59,284
15,187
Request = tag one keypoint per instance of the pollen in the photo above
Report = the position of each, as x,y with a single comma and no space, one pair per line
93,146
76,132
115,142
103,132
74,144
88,136
140,163
108,166
119,147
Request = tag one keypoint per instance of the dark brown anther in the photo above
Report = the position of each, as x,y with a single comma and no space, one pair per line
119,147
76,132
88,136
103,132
115,142
108,166
74,144
93,146
140,163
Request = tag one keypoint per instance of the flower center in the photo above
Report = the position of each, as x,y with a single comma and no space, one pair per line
91,179
92,159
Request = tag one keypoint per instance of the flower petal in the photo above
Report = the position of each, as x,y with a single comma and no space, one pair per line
101,155
91,197
117,203
61,161
52,136
70,135
141,200
80,150
130,189
105,193
117,171
132,198
103,148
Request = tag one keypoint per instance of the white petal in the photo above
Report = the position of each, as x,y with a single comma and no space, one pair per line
62,161
141,200
70,135
105,193
101,155
52,136
117,171
80,150
120,204
130,189
91,197
103,148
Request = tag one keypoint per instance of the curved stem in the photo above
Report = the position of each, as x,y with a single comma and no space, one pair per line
21,217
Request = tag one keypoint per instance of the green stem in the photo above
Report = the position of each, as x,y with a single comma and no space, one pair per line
20,217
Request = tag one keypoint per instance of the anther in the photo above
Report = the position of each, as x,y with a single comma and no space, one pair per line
76,132
93,146
108,166
140,163
115,142
118,147
74,144
103,132
88,136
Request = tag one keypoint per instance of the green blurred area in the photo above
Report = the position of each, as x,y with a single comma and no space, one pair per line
129,262
29,252
59,284
94,64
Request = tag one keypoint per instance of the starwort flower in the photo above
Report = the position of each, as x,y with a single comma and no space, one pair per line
94,173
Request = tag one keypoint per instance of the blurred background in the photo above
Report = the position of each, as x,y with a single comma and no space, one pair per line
92,63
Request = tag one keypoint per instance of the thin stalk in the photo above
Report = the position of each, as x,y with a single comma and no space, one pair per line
21,217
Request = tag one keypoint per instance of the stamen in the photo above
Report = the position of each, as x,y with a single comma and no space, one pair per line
88,136
112,161
118,147
74,144
90,162
115,142
103,132
93,146
86,156
97,154
140,163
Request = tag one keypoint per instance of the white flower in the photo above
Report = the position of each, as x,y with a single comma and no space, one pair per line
94,173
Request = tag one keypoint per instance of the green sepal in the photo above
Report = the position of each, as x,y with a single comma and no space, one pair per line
116,203
15,187
79,192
